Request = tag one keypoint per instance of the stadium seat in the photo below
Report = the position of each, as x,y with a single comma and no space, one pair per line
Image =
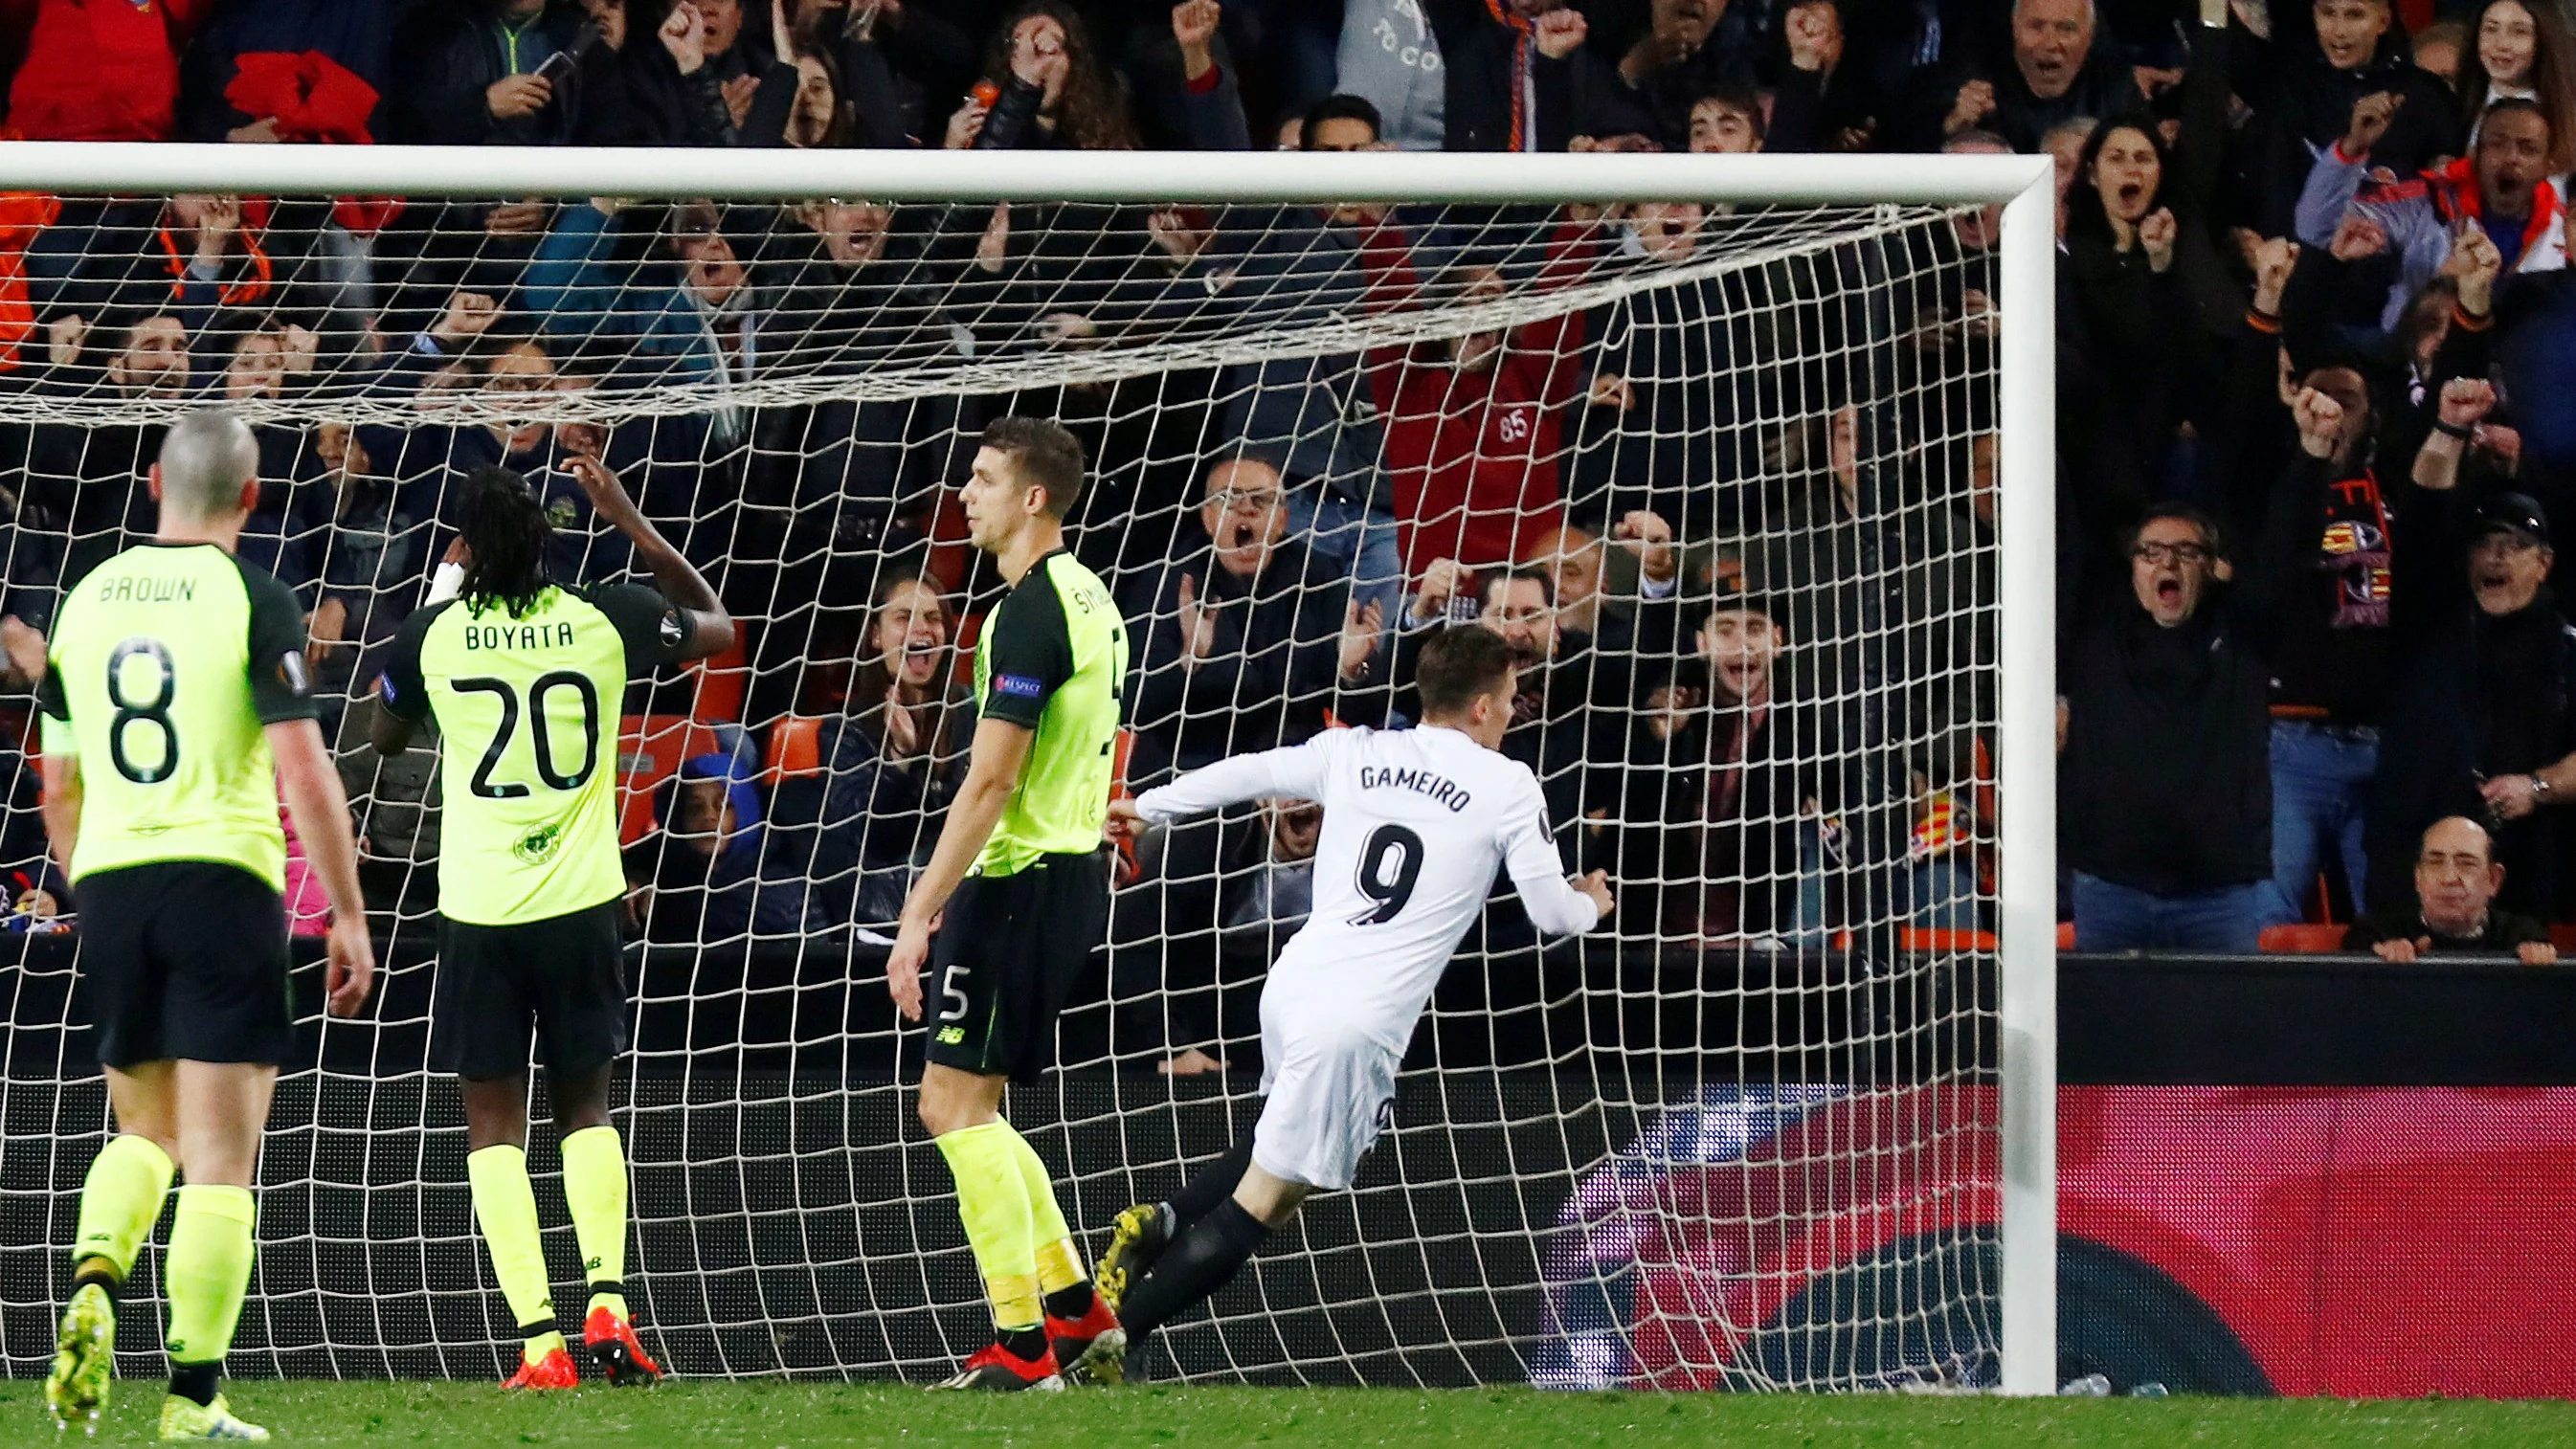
650,748
2301,938
722,683
795,749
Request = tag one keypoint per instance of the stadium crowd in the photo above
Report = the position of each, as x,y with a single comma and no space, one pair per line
2314,420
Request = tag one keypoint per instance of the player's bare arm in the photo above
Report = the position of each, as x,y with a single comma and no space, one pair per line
1000,751
321,810
62,807
710,627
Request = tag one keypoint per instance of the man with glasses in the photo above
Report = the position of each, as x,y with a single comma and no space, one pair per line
2164,779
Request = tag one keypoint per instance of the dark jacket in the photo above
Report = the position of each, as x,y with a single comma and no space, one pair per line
1486,108
2308,105
1267,682
444,60
1715,817
2404,921
2474,696
2165,784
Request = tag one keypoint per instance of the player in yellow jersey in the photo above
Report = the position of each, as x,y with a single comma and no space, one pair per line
175,705
1018,894
526,677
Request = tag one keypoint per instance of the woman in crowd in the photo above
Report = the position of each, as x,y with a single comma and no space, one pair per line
2525,51
894,757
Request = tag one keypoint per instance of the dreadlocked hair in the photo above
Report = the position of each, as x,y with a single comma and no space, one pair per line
505,534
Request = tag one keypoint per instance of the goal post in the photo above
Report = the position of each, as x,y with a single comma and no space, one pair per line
1792,211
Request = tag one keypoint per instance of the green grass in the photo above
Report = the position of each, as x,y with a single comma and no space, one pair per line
720,1416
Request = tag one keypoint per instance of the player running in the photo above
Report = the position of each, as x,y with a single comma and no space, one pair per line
526,677
175,706
1018,894
1415,823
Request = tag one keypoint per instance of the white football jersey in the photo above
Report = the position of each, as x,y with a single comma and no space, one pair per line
1415,823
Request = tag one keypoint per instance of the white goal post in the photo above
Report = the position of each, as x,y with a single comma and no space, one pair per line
2023,1023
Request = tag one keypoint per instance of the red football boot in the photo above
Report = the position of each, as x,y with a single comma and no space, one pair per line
554,1371
995,1369
612,1345
1092,1347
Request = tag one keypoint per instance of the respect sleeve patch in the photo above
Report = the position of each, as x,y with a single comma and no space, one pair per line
1019,686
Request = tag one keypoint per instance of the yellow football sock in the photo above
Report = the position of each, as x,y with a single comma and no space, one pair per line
208,1271
1059,1260
505,1211
594,1162
994,1204
120,1200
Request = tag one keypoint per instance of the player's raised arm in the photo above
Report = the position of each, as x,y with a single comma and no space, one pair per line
710,628
1295,772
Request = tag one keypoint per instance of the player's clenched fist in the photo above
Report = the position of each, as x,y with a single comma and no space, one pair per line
349,966
1123,823
1597,886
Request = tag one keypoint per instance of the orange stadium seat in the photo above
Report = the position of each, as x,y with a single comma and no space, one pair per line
2301,938
650,748
722,684
795,749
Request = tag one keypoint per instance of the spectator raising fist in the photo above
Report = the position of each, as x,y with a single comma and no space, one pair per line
1194,26
2320,420
1559,33
2370,117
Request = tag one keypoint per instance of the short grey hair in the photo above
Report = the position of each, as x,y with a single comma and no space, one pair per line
2092,16
205,460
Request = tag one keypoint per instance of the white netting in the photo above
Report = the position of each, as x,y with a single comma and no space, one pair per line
1744,1139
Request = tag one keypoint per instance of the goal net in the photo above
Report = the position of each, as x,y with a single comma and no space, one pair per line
1724,470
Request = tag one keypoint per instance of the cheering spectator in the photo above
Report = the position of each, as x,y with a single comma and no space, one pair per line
2480,722
2055,72
1309,417
1521,79
2164,781
2504,191
101,72
1243,641
1822,103
1051,88
1474,425
2453,909
1737,782
2522,52
2522,329
707,326
1684,48
2304,95
2335,648
893,759
1191,90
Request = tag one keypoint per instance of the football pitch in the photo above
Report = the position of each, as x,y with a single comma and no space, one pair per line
761,1416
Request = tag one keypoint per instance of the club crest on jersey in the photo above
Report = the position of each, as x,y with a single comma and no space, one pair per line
537,844
1019,686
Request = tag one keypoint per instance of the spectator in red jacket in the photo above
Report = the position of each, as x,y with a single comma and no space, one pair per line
1474,425
100,70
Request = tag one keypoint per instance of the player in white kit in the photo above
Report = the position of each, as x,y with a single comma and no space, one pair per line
1415,824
